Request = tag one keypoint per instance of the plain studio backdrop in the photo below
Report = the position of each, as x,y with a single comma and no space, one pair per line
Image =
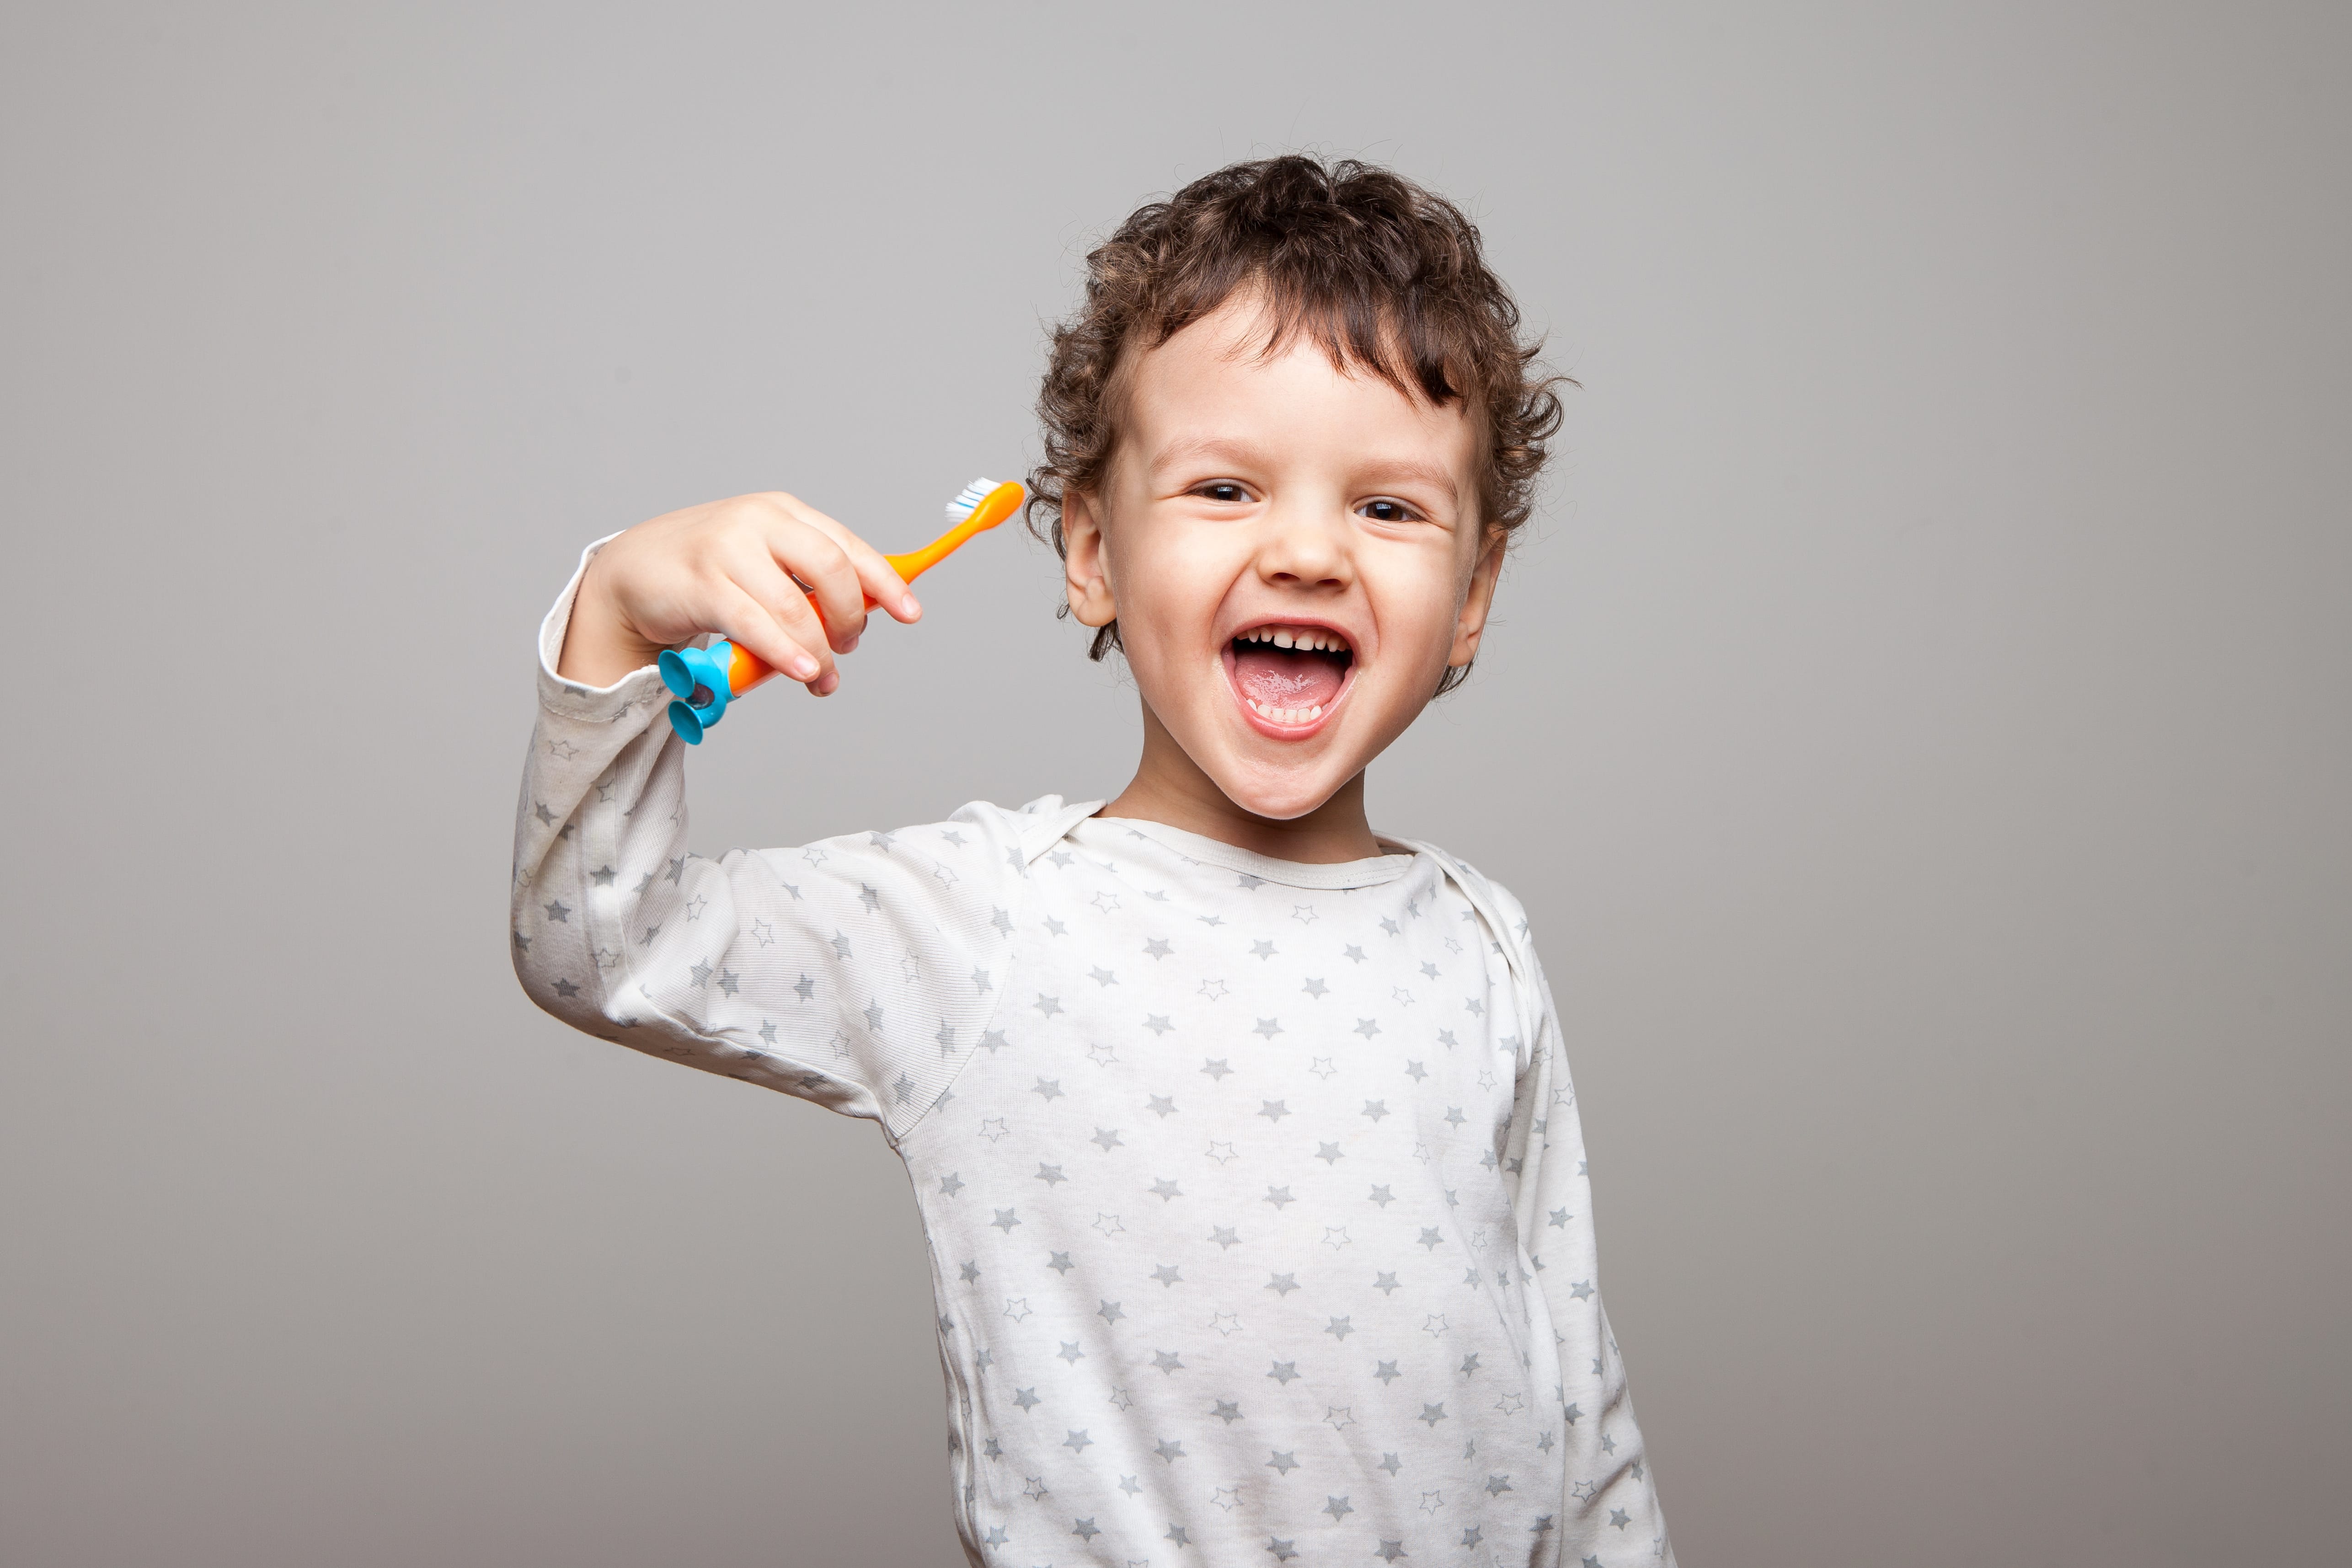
1919,721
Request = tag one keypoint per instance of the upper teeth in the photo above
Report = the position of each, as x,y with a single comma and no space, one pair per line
1306,638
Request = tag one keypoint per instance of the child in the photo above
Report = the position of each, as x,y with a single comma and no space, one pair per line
1245,1142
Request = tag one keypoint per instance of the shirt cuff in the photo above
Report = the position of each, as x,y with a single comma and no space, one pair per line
596,704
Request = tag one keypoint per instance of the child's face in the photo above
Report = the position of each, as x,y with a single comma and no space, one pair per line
1252,502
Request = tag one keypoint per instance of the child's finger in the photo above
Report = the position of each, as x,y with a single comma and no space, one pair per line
813,556
879,580
787,637
778,592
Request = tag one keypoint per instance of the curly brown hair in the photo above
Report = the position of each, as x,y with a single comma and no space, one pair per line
1378,272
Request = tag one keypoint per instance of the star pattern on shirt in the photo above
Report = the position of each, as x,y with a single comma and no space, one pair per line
1030,1088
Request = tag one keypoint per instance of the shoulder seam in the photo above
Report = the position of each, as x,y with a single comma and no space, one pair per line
1034,833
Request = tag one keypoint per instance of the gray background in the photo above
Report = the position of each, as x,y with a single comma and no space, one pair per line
1919,723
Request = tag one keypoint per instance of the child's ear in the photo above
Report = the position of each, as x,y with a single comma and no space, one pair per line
1470,622
1082,562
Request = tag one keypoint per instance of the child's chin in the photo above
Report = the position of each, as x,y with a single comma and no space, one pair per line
1279,794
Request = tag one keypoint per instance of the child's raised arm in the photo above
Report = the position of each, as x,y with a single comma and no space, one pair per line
859,973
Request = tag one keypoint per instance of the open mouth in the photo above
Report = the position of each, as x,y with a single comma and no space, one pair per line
1290,676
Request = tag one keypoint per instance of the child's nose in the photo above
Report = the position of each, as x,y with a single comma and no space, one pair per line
1305,551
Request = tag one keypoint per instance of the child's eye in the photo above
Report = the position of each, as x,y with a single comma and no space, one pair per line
1387,511
1225,490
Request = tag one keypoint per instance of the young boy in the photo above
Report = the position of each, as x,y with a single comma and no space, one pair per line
1245,1142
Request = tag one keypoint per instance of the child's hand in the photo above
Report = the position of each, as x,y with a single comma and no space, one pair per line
728,567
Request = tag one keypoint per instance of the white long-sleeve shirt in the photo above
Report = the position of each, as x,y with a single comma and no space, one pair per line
1255,1191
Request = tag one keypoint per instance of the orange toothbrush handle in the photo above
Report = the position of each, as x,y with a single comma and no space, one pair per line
994,508
746,670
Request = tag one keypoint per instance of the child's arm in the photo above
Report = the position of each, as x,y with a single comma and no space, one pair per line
1611,1508
858,973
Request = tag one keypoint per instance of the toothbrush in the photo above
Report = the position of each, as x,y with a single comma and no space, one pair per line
704,679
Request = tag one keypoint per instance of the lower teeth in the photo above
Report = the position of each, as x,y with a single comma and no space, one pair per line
1286,715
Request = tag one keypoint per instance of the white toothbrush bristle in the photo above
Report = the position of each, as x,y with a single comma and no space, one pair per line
968,498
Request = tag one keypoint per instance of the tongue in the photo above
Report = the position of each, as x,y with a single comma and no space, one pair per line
1279,677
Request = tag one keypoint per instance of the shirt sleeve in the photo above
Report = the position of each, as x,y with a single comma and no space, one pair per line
859,973
1610,1514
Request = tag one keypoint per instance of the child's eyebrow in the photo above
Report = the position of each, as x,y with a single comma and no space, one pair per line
1188,449
1405,469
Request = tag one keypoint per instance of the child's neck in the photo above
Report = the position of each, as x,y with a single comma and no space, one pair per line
1169,788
